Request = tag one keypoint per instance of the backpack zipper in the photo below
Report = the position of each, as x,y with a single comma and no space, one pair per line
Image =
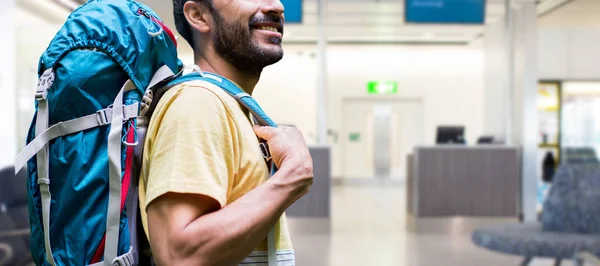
145,13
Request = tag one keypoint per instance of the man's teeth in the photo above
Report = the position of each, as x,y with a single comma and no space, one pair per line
269,28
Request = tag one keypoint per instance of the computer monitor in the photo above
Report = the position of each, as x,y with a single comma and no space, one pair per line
450,135
485,140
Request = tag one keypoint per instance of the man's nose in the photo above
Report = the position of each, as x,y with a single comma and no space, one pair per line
274,7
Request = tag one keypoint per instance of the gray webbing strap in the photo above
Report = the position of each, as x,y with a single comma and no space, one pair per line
100,118
193,68
114,175
241,95
213,77
45,82
161,74
255,117
272,248
126,259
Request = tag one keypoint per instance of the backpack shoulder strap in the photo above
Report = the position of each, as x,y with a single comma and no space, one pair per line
235,91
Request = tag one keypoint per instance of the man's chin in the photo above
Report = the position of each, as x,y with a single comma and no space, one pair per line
272,50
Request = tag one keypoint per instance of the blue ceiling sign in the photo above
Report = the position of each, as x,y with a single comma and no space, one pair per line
293,11
445,11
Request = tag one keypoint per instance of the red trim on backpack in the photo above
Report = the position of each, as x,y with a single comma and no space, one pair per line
99,251
167,30
124,190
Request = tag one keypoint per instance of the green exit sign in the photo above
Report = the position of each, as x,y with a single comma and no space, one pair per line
382,87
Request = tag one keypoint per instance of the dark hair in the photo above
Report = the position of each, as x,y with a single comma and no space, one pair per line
181,24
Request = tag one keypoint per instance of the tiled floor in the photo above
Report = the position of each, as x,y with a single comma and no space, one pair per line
368,227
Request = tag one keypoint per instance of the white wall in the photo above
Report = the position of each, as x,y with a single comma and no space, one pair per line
7,83
569,53
525,121
36,25
287,90
496,79
33,41
449,81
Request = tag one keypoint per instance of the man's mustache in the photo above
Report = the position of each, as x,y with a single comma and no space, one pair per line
266,19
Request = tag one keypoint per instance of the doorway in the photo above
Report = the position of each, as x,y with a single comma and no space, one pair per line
377,136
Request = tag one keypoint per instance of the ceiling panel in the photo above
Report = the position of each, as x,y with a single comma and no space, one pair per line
361,21
574,14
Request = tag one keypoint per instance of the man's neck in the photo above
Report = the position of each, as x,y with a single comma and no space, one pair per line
221,67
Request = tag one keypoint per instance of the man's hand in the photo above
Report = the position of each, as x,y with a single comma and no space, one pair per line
289,153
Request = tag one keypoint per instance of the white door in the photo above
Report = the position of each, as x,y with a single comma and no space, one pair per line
377,135
356,139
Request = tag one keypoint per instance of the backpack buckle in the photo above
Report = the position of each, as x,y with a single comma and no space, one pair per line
264,149
44,83
126,259
102,117
40,95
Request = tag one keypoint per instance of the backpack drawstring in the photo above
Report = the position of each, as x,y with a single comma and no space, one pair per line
135,135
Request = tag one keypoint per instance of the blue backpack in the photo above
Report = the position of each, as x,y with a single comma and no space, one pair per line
83,155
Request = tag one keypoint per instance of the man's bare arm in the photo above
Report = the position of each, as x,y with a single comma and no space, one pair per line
188,229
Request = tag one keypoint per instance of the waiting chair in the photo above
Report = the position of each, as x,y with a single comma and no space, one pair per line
14,218
569,226
579,155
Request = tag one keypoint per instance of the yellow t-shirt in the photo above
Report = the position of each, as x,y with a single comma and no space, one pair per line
200,141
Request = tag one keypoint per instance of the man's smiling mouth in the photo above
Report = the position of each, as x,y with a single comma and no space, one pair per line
267,28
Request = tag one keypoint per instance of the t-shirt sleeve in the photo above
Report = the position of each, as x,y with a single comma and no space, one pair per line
192,149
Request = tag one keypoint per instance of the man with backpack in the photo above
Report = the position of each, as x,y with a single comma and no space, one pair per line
206,197
128,157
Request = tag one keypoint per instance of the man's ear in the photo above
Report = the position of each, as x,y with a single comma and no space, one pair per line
198,16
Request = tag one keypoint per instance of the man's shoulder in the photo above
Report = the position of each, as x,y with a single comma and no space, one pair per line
195,94
190,99
201,87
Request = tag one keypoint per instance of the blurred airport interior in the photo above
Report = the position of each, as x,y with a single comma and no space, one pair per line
443,132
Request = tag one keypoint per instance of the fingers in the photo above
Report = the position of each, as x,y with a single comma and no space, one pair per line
268,132
264,132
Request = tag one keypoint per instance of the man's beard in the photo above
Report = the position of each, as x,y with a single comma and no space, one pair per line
235,44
